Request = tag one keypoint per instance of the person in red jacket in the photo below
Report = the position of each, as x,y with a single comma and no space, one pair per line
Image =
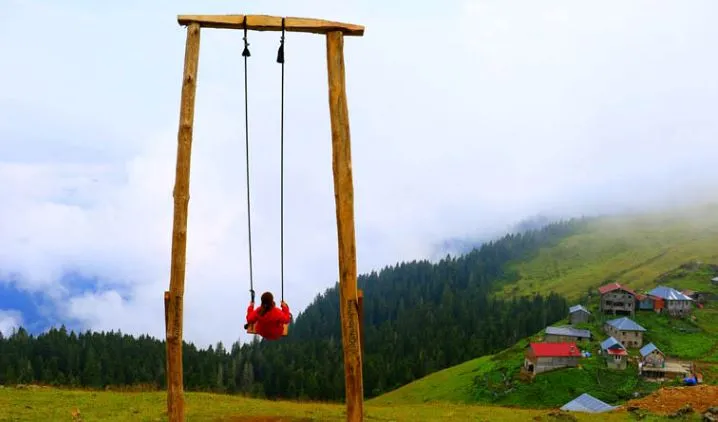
268,320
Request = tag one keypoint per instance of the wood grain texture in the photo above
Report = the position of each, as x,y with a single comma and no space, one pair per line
344,199
361,319
167,352
271,23
175,386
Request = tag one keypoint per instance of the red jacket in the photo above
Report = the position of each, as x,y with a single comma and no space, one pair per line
271,324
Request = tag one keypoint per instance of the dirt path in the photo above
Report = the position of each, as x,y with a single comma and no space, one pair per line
668,400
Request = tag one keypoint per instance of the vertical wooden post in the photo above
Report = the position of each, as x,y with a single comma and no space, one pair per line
175,384
344,198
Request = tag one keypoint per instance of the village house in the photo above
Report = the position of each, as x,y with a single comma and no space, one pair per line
566,334
655,365
615,354
669,370
617,299
645,302
625,330
651,356
670,299
578,314
543,357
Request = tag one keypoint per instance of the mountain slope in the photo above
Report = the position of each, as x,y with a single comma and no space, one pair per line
610,248
419,317
633,250
422,317
494,380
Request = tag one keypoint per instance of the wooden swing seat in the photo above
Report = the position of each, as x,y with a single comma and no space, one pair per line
251,330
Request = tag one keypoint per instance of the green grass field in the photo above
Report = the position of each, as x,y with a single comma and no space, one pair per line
49,405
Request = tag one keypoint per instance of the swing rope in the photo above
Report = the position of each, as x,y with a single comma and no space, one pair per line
280,59
246,54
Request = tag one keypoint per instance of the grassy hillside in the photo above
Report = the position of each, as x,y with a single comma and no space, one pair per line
45,404
639,252
494,379
633,250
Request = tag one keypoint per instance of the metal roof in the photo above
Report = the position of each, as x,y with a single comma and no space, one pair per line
610,343
645,350
576,308
625,324
568,331
587,403
668,293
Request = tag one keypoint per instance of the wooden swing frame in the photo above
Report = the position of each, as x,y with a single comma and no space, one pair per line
350,301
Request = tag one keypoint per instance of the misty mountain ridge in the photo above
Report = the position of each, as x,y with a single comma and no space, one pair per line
419,317
462,245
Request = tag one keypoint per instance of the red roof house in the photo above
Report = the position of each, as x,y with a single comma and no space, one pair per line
616,298
614,286
555,349
542,357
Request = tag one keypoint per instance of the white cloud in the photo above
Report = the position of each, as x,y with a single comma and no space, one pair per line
504,110
9,321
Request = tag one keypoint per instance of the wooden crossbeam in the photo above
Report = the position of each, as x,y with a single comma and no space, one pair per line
271,23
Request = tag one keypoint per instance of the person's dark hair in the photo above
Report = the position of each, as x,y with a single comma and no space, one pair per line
267,303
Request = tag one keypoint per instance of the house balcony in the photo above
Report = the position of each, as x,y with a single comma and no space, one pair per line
618,309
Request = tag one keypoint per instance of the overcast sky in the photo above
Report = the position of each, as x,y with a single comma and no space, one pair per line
465,118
